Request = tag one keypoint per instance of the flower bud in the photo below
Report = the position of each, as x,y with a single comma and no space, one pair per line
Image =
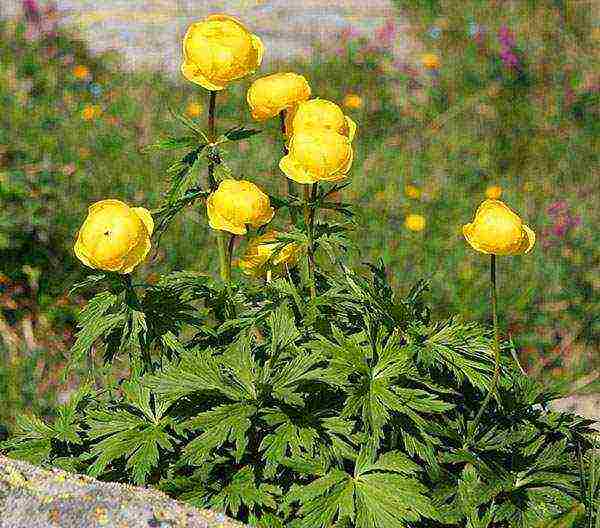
261,256
497,230
319,113
270,95
219,50
237,203
317,155
114,236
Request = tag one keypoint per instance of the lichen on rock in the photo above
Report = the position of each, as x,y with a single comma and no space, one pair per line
31,497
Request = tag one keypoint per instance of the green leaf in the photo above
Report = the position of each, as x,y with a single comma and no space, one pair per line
223,424
188,123
195,371
283,328
94,322
174,143
238,133
242,490
460,348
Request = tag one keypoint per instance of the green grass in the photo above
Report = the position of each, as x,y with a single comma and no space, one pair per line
474,124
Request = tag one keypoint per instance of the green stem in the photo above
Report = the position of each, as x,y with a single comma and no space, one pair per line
224,260
222,243
290,184
309,220
496,377
212,103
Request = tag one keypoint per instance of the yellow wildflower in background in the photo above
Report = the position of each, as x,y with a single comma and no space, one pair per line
319,113
317,155
270,95
415,222
430,61
114,236
81,71
193,109
353,101
493,192
498,230
90,112
260,256
412,191
219,50
236,203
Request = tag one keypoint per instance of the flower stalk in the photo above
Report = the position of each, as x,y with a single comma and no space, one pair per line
222,242
310,195
495,379
290,183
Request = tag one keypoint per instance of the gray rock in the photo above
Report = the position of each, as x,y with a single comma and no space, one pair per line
31,497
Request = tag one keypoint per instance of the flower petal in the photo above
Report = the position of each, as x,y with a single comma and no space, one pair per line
294,171
530,238
146,217
136,256
352,127
216,221
468,234
95,207
81,253
193,74
264,219
260,49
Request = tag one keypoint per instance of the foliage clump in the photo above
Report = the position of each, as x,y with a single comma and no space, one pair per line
353,408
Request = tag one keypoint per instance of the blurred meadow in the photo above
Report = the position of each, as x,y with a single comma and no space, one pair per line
495,99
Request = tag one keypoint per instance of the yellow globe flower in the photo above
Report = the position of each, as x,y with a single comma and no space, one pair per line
493,192
498,230
415,222
412,191
236,203
353,101
260,257
270,95
317,155
114,236
219,50
430,61
193,109
319,113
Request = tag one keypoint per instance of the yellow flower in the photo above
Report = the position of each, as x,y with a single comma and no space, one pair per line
261,256
114,236
493,192
412,191
219,50
81,71
193,109
317,155
319,113
353,101
431,61
90,112
237,203
497,230
415,222
270,95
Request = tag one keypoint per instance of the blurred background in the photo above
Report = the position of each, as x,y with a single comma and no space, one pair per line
455,101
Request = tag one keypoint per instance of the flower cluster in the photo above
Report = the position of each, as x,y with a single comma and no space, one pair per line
317,139
508,54
563,222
